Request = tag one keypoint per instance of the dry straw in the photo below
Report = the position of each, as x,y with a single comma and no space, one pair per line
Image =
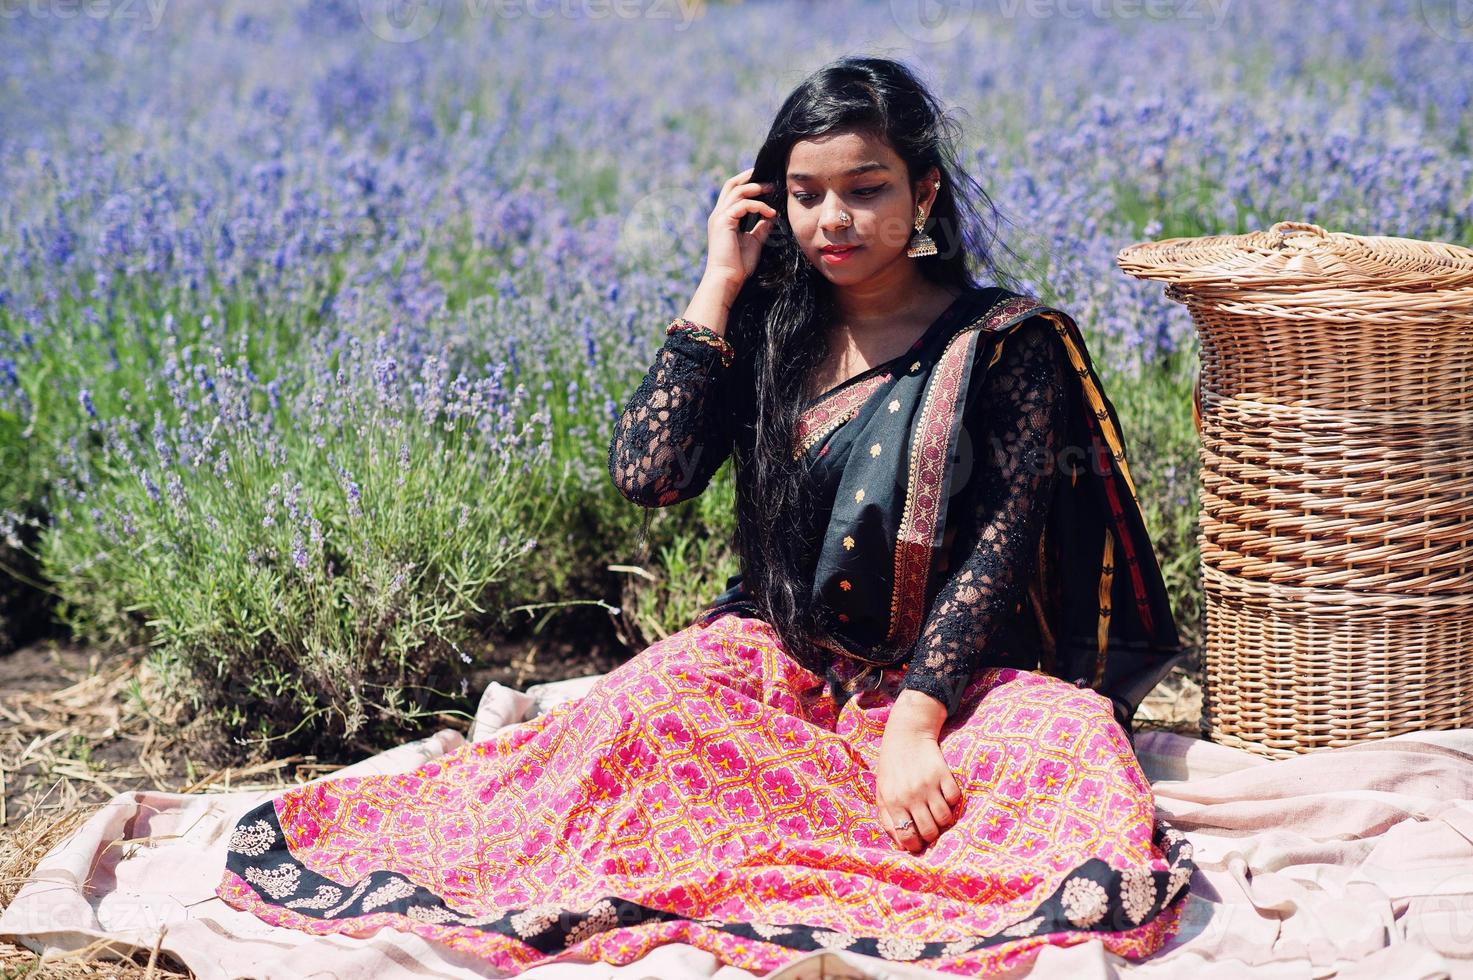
95,726
1335,408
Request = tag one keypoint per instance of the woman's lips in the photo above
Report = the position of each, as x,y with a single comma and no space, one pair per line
833,257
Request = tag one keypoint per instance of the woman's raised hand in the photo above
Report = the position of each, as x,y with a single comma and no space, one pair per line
732,254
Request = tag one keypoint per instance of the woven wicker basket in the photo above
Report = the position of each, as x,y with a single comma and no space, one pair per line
1335,408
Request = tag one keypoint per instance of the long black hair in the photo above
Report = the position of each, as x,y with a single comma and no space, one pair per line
776,322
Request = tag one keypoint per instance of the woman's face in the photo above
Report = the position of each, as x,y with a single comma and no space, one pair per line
863,177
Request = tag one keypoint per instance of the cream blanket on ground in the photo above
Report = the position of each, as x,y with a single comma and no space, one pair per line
1353,862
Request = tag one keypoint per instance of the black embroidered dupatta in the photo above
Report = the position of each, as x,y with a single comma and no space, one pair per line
889,451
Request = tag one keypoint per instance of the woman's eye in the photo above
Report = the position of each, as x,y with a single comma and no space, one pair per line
862,192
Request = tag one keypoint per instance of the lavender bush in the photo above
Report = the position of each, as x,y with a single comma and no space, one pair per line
336,526
219,227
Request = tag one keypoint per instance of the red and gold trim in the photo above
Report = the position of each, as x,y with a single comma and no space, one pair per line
1075,348
930,450
1102,627
815,424
930,447
1103,430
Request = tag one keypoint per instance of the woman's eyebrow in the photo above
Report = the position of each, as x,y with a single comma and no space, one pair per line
863,168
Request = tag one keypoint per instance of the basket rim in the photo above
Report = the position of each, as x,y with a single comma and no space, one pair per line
1298,256
1330,303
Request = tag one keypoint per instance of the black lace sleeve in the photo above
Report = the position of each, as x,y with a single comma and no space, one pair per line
674,432
1022,430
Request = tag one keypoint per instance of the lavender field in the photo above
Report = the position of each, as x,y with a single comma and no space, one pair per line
315,319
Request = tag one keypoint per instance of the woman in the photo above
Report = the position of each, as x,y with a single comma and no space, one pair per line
854,746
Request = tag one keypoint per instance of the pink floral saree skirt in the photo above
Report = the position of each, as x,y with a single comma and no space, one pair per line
707,791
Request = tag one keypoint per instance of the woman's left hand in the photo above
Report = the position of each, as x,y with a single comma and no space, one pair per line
913,782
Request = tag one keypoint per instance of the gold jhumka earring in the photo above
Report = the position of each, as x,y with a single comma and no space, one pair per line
921,244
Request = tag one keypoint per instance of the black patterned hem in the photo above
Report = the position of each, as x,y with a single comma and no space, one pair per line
1093,898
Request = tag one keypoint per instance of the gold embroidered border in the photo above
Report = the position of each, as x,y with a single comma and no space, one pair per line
1115,445
915,536
1102,628
830,413
1096,402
